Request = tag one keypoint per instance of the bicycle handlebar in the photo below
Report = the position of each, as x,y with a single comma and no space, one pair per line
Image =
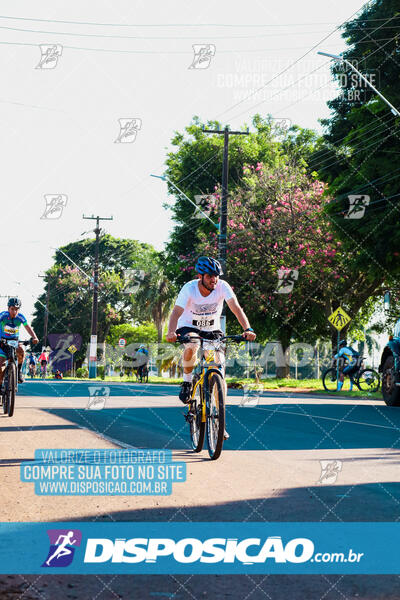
22,342
188,339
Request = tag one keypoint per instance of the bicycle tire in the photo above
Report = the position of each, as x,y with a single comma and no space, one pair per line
368,380
12,384
329,380
4,403
197,426
215,402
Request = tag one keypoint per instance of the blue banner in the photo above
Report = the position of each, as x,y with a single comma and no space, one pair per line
102,472
199,548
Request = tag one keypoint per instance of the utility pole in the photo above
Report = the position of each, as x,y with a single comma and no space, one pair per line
46,313
224,198
93,336
224,203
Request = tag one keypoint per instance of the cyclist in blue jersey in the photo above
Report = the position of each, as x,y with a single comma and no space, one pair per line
350,356
143,359
10,323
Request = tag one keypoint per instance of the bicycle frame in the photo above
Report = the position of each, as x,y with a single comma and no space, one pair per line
203,380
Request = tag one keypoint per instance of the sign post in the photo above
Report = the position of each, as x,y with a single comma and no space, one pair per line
339,319
72,349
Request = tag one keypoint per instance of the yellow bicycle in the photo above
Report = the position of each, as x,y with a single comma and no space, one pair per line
206,408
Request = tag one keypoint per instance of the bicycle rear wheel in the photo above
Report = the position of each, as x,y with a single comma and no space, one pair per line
10,393
197,426
369,380
215,400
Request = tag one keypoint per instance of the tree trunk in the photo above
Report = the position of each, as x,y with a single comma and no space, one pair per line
282,367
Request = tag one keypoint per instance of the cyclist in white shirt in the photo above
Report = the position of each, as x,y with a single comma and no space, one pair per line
198,308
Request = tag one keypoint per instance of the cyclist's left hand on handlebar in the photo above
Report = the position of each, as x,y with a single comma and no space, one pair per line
35,340
250,336
171,337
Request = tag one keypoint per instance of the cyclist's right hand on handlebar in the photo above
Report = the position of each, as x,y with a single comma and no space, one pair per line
171,337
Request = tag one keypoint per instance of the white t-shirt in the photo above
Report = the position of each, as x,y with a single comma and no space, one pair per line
202,312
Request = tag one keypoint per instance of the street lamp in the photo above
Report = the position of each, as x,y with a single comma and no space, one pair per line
341,59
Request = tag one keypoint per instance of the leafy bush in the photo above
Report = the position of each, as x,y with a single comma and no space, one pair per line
82,373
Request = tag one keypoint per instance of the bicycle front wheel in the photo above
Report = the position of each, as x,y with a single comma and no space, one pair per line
4,401
369,380
197,426
329,380
12,384
215,401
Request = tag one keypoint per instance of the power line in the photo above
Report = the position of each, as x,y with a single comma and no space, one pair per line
313,71
103,24
141,37
290,66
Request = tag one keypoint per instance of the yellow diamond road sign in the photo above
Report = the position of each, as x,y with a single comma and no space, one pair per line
339,318
72,349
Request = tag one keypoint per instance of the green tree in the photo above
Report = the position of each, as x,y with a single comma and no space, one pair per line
71,292
277,227
156,296
361,143
196,167
145,333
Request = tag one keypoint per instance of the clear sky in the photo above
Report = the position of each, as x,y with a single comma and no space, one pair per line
130,60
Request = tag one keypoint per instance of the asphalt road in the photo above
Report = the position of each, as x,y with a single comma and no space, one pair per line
270,470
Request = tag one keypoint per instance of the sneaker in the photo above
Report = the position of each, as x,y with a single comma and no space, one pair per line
226,435
184,394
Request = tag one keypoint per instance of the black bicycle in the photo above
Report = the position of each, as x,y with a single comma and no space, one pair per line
206,408
367,380
142,374
9,387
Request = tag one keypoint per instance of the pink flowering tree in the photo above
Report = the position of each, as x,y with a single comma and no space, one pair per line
284,261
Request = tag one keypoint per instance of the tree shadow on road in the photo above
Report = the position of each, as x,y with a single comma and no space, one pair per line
265,427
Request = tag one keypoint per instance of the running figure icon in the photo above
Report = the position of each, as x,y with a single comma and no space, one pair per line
62,549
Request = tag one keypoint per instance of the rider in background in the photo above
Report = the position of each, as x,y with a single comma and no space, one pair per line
10,323
44,359
32,365
350,355
143,359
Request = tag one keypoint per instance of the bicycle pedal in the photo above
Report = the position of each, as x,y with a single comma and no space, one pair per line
189,416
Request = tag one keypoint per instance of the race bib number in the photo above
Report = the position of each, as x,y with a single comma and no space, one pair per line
203,322
10,330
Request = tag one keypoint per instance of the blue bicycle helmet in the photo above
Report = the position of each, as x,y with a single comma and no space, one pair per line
206,264
342,343
14,302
